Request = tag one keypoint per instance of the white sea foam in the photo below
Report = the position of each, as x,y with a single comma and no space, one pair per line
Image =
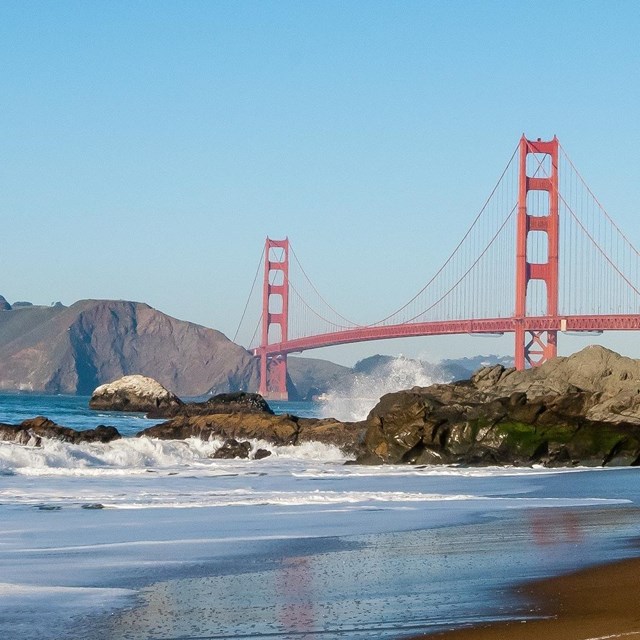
138,455
354,400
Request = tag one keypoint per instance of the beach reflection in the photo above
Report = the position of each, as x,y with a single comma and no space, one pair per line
294,590
555,526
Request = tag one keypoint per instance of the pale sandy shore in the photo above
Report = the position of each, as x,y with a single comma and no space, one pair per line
599,603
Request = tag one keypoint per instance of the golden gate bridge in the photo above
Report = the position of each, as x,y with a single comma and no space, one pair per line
541,257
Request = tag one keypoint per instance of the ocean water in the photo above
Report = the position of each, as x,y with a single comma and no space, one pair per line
146,539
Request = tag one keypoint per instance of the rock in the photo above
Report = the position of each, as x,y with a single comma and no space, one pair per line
260,454
18,435
280,430
237,402
276,429
611,380
133,393
584,410
232,449
4,305
30,432
346,436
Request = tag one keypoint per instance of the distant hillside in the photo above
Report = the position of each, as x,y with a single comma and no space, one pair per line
73,349
312,376
462,368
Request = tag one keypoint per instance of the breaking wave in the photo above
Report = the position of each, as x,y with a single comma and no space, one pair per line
140,455
357,397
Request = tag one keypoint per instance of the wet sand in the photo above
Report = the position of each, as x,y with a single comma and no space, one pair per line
599,603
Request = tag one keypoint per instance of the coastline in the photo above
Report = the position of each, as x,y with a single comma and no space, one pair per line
596,603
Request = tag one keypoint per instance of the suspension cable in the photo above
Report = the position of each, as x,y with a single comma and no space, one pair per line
246,306
598,247
466,273
604,211
355,324
466,235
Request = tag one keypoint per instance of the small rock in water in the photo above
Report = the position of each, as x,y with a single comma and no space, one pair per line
232,449
92,505
261,453
48,507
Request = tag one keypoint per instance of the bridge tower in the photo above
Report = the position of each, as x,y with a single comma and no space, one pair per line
533,347
275,313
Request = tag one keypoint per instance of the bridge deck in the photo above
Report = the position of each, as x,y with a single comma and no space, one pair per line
452,327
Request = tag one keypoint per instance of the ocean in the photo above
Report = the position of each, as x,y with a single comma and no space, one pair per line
146,539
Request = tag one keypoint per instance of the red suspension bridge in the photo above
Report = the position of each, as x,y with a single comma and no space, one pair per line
541,257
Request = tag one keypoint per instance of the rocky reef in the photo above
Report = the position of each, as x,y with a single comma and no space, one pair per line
30,432
580,410
278,430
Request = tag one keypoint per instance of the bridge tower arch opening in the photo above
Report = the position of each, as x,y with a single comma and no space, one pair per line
538,172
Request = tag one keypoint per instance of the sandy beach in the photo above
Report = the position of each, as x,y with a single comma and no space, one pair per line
592,604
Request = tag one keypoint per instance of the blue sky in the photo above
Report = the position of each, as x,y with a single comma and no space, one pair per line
147,148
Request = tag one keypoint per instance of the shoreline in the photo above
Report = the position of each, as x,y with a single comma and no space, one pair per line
596,603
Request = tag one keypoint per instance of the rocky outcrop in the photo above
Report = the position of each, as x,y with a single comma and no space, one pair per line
74,349
237,402
4,305
276,429
134,393
578,410
611,380
30,432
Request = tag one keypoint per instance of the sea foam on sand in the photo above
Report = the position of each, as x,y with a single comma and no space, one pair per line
375,551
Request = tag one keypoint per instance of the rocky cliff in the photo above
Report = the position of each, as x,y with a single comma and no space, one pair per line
75,349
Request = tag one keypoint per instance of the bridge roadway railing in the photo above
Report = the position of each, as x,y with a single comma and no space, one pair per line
450,327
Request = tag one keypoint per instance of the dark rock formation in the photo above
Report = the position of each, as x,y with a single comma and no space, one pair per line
237,402
232,449
134,393
75,349
578,410
31,432
276,429
4,305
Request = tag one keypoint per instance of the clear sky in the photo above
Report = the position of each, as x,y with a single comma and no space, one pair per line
147,148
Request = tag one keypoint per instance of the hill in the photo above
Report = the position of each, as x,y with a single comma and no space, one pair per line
73,349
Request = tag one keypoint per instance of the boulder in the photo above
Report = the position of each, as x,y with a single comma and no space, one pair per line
133,393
